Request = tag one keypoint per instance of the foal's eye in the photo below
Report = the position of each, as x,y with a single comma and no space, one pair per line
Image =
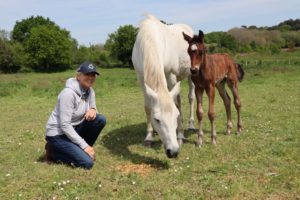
157,120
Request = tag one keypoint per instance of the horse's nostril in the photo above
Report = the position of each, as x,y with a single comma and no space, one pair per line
193,71
171,154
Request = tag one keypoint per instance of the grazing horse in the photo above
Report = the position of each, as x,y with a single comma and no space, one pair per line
208,72
160,60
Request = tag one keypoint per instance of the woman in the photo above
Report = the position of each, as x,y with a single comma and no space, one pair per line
74,125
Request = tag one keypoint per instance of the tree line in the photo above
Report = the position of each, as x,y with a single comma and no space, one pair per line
39,44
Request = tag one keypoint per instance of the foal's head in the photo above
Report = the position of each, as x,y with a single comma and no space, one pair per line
196,50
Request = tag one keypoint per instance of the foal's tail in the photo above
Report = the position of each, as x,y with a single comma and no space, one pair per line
240,72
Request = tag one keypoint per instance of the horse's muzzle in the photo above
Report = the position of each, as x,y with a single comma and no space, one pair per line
194,71
172,154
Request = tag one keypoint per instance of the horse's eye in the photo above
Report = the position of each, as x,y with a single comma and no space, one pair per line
157,120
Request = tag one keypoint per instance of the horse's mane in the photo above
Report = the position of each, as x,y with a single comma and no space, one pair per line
154,75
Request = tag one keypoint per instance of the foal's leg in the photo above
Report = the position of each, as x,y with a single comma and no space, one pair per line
226,99
199,94
211,112
191,101
149,137
237,104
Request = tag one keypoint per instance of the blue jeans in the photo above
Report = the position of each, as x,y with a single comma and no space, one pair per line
65,151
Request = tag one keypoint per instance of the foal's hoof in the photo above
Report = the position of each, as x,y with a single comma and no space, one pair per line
148,143
228,132
214,142
239,131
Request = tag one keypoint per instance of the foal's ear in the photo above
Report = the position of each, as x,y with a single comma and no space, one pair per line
187,37
201,36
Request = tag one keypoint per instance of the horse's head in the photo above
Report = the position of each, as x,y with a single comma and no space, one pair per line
196,50
164,117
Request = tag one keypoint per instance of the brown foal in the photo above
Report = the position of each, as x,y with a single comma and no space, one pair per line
208,72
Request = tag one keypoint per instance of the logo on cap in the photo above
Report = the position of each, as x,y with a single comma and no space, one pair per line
91,66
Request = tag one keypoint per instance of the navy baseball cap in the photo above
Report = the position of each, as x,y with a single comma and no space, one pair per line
87,67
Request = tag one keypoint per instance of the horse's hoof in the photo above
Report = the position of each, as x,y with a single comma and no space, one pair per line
199,143
148,143
191,127
180,142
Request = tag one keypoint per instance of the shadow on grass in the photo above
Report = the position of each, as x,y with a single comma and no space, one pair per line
119,140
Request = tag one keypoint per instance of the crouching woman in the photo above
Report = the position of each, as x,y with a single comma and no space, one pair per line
74,125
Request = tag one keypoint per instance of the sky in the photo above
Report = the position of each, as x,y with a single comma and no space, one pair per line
90,21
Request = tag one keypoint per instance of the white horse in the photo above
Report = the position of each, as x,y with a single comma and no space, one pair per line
161,61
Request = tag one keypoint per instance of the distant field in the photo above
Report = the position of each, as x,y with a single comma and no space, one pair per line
262,163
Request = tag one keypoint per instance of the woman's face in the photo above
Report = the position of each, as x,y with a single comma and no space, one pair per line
86,80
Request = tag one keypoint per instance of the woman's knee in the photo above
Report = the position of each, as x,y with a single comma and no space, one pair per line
101,119
86,163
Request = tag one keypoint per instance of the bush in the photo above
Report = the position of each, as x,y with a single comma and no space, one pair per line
94,53
10,57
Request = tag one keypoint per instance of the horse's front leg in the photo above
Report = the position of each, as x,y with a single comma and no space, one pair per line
180,129
199,94
210,90
149,136
191,97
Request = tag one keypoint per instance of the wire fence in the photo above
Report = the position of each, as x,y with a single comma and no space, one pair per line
269,62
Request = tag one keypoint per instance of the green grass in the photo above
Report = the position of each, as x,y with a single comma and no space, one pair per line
262,163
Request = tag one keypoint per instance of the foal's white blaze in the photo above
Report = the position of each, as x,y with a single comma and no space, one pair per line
194,47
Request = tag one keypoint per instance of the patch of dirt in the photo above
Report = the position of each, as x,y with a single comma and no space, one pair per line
141,169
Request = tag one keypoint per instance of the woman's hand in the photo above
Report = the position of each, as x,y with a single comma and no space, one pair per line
90,151
90,114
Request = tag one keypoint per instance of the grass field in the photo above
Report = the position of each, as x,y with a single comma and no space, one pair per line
262,163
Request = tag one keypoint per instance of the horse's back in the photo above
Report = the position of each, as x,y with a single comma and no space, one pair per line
163,43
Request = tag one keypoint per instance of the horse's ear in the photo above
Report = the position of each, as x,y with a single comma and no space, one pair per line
151,93
201,36
175,91
187,37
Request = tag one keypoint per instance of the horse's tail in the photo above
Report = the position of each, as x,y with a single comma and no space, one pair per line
240,72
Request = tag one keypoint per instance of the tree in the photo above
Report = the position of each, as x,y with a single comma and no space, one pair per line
49,48
120,43
10,59
22,29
